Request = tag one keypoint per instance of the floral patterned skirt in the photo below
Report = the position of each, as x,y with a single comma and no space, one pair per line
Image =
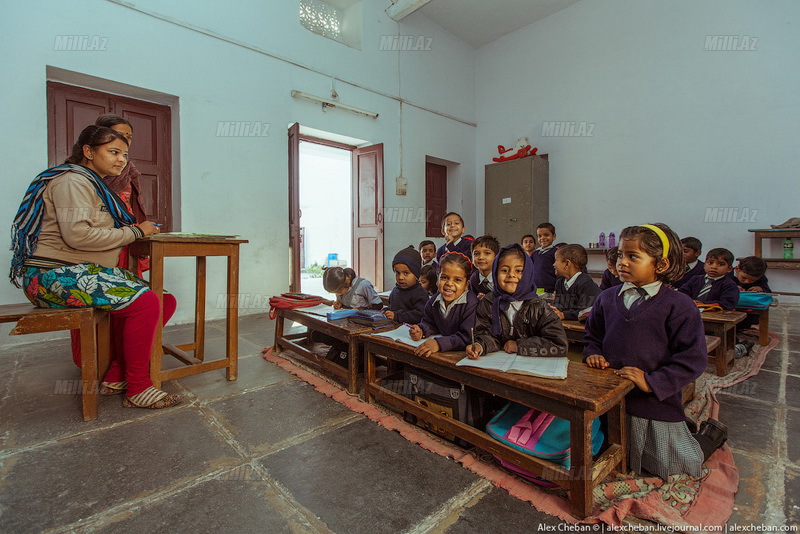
81,285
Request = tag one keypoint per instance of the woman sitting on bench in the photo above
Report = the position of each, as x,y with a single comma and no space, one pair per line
66,239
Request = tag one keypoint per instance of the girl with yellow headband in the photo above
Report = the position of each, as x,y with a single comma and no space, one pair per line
653,336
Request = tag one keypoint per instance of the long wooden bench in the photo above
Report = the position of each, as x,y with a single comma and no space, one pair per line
95,340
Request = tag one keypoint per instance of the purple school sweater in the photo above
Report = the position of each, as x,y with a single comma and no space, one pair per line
455,328
724,291
699,268
407,304
762,282
544,273
476,287
609,280
464,246
580,295
663,337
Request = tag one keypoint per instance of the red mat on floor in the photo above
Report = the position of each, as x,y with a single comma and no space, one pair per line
680,502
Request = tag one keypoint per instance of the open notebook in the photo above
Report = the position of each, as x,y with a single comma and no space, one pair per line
522,365
401,335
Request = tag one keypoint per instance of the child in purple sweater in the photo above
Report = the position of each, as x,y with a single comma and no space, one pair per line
653,336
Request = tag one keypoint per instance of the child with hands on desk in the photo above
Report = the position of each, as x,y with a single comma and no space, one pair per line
512,318
653,336
408,298
351,291
451,312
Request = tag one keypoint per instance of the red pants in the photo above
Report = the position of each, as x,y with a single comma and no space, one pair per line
133,330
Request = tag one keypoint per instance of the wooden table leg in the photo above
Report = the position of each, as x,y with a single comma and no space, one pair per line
157,286
232,317
729,342
369,374
617,432
279,320
581,496
763,327
353,357
200,309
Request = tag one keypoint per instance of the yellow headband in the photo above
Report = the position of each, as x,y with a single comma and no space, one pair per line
661,235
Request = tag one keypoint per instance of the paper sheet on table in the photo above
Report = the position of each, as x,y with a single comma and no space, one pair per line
523,365
401,335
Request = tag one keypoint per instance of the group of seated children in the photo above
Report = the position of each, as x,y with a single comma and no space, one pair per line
483,298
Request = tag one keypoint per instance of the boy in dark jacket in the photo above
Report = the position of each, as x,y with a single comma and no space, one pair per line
575,290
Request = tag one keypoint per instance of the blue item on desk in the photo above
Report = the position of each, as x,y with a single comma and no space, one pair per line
342,314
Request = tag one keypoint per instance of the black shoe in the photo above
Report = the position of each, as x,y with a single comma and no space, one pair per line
692,426
715,431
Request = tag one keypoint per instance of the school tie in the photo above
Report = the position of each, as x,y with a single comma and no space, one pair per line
485,287
641,298
705,289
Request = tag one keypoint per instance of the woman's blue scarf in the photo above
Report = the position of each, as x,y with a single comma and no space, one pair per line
28,222
526,288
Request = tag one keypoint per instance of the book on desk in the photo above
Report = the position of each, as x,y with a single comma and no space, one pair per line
401,335
542,367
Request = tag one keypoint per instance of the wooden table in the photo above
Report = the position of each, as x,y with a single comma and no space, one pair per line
585,395
723,325
340,329
159,247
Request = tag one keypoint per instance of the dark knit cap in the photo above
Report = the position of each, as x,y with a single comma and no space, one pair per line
410,258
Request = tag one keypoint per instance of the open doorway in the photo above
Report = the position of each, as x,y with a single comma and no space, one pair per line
325,206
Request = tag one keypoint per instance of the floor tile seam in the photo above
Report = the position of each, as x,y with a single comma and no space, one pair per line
451,507
7,389
321,430
206,399
61,440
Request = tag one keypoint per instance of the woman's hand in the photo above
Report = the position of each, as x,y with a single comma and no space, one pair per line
427,348
635,375
474,351
149,227
597,361
510,346
415,332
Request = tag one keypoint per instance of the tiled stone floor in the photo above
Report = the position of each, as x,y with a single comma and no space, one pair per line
268,454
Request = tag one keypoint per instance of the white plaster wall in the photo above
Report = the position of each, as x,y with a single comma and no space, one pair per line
677,129
233,184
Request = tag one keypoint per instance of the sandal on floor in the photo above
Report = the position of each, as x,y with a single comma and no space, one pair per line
152,398
113,388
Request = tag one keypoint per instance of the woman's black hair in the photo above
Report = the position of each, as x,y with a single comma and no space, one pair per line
93,136
110,119
334,278
457,258
650,243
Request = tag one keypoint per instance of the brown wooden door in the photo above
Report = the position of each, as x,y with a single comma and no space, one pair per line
71,109
294,207
368,213
435,198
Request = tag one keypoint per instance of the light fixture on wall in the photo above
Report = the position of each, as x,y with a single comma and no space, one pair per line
326,104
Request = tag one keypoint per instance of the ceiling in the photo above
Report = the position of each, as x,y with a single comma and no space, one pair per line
479,22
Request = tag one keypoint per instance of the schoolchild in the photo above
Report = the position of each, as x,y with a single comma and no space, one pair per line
692,247
408,297
575,290
449,314
750,275
484,250
544,273
715,286
428,279
528,243
351,291
427,249
453,232
512,318
653,336
610,275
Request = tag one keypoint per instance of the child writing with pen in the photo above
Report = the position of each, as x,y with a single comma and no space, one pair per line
653,336
512,318
450,314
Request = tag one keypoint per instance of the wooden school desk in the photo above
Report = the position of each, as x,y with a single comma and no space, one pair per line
160,246
341,329
585,395
722,324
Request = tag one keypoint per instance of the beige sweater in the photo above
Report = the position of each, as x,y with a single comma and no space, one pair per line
77,227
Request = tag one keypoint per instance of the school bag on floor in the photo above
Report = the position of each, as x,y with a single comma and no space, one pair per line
538,434
446,397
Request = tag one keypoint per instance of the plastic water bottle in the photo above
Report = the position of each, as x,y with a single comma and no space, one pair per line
601,241
611,240
788,249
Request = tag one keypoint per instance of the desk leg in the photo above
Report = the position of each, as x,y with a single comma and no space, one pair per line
200,309
729,350
763,327
157,286
279,322
89,380
232,317
369,374
353,356
617,432
581,469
